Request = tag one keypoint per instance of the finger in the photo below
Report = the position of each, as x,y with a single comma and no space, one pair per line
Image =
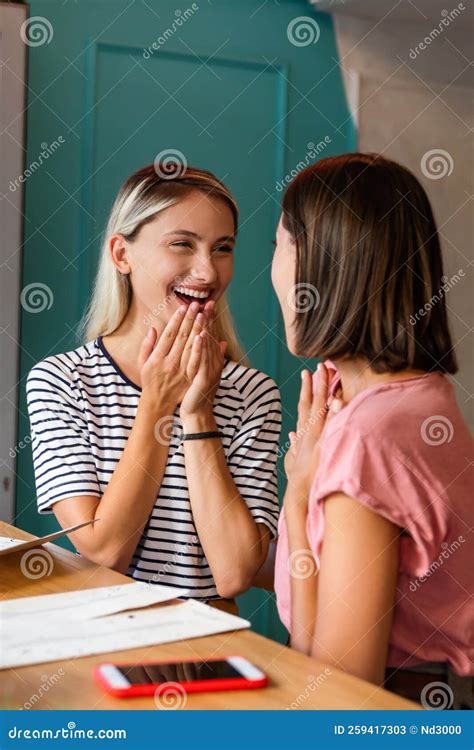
213,347
194,358
146,347
208,361
216,359
197,328
166,340
320,396
211,313
210,308
184,331
223,347
204,363
305,400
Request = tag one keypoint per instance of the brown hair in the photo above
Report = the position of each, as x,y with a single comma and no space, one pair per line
366,240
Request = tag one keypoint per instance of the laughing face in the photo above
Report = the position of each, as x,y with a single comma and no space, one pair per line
184,254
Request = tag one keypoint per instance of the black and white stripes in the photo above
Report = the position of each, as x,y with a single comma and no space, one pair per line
82,408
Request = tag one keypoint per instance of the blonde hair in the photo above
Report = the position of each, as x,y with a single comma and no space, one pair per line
142,196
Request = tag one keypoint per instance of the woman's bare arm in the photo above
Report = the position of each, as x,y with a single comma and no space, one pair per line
356,589
302,567
265,576
235,545
126,504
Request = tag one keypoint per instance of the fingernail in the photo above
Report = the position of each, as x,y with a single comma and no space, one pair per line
318,368
150,333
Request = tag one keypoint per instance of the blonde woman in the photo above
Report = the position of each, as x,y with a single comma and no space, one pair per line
154,426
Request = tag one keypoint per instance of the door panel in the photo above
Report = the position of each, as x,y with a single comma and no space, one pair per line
211,132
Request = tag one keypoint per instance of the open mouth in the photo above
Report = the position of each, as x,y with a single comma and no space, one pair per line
191,295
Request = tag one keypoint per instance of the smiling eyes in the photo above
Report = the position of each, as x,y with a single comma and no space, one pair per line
219,248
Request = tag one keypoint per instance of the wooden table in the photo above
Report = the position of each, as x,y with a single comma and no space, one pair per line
295,680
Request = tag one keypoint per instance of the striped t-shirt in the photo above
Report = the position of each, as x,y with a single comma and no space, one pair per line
82,408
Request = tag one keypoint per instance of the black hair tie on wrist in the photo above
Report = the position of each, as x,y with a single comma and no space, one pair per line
199,435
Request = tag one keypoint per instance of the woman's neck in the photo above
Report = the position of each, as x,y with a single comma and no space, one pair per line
124,343
356,375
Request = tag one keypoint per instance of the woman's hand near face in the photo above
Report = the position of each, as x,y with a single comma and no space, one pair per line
199,398
314,410
167,369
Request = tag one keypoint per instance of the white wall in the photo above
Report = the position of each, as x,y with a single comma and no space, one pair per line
408,101
12,127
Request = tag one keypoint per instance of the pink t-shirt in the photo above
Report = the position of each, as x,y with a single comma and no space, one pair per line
403,450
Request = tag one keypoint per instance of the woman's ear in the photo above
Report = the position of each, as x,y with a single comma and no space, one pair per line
119,253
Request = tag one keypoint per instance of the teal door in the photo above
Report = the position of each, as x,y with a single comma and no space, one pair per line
236,88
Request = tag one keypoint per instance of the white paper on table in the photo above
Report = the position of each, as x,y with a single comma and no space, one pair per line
8,545
24,644
84,604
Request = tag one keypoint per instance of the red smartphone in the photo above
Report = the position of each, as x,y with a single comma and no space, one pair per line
153,678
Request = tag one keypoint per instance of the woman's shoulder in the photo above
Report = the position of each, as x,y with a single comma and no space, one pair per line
394,408
408,428
63,367
249,385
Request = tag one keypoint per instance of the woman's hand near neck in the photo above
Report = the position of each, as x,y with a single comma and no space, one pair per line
125,342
